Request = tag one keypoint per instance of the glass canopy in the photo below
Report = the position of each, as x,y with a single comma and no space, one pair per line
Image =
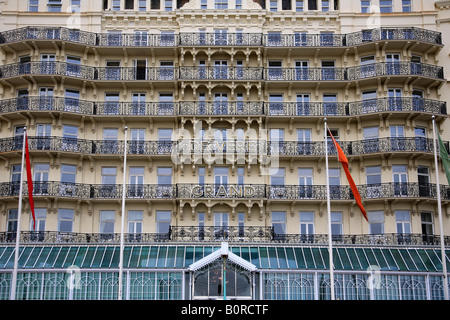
263,257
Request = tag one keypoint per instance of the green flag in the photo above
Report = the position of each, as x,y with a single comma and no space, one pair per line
444,157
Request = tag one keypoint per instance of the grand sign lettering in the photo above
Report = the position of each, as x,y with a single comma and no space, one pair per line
217,191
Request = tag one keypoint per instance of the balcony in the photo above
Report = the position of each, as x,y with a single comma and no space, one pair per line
82,146
136,74
216,39
221,73
137,40
54,68
48,33
305,74
395,69
421,35
303,40
90,191
213,108
353,148
233,234
232,108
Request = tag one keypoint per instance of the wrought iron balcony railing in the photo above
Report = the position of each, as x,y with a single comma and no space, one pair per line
91,191
226,191
47,68
211,108
194,146
221,39
305,74
48,33
82,146
137,40
228,233
304,40
221,73
369,146
136,74
37,103
391,239
395,68
412,33
214,108
404,104
216,39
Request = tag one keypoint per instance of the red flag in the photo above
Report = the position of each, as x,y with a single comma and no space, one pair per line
343,160
29,181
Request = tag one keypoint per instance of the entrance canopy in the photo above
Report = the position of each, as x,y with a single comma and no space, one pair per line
222,252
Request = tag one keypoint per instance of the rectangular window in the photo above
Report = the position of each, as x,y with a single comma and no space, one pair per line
164,175
112,103
201,175
365,6
336,225
204,4
142,5
279,223
220,4
70,133
299,5
427,223
108,175
54,6
135,222
376,222
163,219
68,173
75,6
273,5
11,224
403,222
277,176
385,6
201,226
238,4
107,220
306,223
373,175
129,4
325,5
275,66
41,216
33,6
312,4
240,174
406,5
168,5
400,177
65,220
116,5
136,182
155,4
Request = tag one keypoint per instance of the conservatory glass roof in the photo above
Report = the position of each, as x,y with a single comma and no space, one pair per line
262,257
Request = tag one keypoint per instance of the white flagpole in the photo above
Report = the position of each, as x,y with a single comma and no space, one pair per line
330,240
443,258
19,214
123,215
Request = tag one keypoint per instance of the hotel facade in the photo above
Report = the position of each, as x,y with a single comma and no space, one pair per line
220,108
